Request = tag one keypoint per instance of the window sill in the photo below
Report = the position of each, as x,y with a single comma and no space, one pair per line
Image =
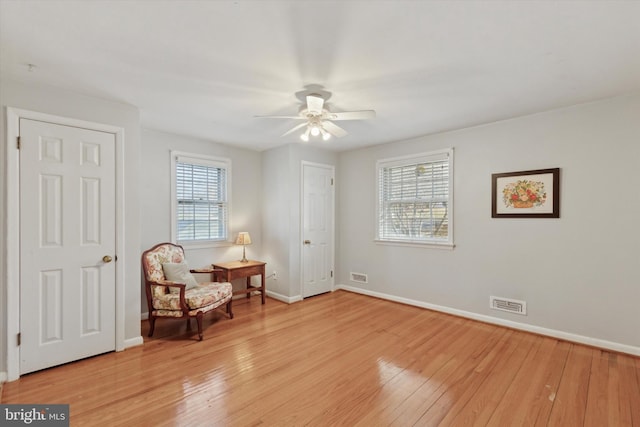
204,245
430,245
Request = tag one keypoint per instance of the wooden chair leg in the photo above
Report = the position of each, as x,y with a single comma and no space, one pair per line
152,324
229,309
199,317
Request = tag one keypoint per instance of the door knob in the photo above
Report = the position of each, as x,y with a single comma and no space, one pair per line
307,242
107,259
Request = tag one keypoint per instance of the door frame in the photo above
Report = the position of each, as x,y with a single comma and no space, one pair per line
332,168
12,274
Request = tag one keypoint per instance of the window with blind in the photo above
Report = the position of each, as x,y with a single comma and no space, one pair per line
415,198
200,198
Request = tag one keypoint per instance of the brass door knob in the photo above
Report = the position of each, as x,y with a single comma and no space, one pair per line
307,242
107,259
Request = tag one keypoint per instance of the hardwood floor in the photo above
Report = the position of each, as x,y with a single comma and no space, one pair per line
342,359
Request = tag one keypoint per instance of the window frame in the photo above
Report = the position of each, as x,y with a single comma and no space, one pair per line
408,160
201,160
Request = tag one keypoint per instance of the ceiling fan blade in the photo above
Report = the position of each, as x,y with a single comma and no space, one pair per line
301,125
280,117
334,129
314,104
353,115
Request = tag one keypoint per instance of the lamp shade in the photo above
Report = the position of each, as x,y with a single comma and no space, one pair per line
243,238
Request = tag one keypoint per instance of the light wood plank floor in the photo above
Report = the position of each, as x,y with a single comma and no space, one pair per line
342,359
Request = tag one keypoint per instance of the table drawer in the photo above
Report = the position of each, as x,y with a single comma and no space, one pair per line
245,272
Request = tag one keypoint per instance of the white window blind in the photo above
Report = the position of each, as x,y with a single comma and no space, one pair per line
201,199
415,198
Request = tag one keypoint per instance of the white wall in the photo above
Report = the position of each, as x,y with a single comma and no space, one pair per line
578,274
59,102
276,221
282,178
155,195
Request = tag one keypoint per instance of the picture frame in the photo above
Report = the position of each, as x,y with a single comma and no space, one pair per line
526,194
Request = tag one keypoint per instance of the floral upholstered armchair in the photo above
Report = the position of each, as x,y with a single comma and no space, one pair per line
173,292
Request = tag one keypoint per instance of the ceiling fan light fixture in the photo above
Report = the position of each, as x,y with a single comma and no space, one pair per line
315,130
325,135
305,135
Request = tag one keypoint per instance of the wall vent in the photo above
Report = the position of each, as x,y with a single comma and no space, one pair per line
359,277
510,305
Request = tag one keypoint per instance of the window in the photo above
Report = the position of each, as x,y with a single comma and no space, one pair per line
415,198
200,212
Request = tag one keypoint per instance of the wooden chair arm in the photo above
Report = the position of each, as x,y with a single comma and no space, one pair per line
205,270
169,283
213,271
181,287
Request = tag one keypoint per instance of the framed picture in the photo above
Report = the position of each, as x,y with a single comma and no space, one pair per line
526,194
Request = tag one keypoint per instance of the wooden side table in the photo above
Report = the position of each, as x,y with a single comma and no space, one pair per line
237,269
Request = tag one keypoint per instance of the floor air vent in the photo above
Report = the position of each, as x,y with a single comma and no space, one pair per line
510,305
359,277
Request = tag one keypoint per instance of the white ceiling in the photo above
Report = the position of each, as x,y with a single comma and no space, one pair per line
205,68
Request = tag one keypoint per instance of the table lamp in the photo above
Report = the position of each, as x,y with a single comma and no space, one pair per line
243,239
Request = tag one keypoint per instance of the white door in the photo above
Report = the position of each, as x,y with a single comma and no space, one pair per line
67,234
317,228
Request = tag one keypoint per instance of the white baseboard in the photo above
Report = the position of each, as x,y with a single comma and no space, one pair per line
3,377
288,300
133,342
144,316
566,336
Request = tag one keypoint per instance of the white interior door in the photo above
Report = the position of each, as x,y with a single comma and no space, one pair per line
67,233
317,228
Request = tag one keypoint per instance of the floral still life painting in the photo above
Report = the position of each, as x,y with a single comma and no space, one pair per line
526,194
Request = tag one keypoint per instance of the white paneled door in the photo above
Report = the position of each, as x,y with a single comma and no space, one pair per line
67,244
317,228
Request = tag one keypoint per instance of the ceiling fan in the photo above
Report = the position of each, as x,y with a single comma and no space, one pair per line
319,120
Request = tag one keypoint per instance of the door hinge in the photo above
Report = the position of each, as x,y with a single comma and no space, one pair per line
19,338
331,273
18,143
331,181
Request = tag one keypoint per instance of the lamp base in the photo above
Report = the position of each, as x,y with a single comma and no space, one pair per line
244,256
